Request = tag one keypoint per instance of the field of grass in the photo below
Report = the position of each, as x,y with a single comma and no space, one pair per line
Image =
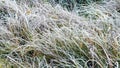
59,34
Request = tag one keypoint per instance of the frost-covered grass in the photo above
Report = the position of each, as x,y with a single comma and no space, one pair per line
38,34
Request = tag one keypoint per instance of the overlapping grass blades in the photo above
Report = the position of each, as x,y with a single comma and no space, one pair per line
36,34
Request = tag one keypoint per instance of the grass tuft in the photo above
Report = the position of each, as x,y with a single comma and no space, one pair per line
59,34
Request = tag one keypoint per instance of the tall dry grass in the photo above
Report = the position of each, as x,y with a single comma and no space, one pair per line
36,34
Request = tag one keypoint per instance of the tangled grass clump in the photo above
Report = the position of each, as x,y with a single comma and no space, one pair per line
36,34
